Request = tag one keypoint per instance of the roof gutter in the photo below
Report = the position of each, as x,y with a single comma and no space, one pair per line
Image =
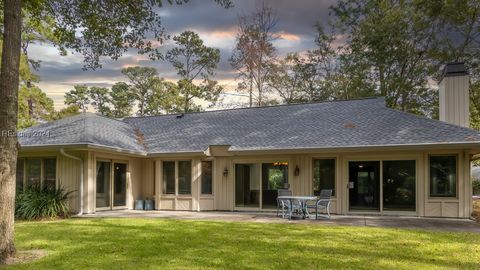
62,151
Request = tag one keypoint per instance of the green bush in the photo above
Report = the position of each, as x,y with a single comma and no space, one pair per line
476,186
37,202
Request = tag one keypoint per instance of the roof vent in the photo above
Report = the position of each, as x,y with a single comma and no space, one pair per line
181,115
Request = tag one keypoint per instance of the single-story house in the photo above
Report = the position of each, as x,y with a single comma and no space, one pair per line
377,160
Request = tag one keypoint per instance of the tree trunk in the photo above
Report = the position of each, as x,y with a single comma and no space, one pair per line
8,123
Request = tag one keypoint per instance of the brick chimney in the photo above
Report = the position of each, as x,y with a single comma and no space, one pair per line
454,98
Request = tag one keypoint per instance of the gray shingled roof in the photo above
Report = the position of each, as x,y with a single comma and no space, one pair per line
353,123
85,128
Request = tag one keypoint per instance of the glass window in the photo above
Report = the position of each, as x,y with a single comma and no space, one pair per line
207,169
443,176
20,173
323,175
184,177
169,177
34,167
103,184
120,184
50,171
399,185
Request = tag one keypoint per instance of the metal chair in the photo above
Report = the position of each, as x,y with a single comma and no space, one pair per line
323,202
283,204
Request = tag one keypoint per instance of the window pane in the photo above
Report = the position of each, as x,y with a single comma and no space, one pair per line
399,185
207,177
120,184
274,177
443,176
323,175
103,184
20,172
50,171
184,177
33,171
168,177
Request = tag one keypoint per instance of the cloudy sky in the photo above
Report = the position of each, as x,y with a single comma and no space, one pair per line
215,25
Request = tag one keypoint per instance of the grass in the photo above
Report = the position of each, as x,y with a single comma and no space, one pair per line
174,244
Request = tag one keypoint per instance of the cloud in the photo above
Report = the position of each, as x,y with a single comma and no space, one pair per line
215,25
288,36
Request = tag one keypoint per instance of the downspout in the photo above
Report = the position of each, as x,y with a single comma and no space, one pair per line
62,151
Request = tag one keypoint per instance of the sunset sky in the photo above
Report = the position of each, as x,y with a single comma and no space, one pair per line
215,25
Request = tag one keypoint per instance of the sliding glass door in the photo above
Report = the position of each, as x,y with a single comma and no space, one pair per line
247,185
111,185
399,185
274,177
120,185
103,185
395,178
364,186
257,184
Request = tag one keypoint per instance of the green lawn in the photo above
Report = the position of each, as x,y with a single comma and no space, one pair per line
173,244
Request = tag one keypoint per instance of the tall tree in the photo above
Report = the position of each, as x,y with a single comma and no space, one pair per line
33,105
398,47
165,98
142,81
65,112
193,60
78,96
254,52
92,28
122,99
9,78
287,77
100,99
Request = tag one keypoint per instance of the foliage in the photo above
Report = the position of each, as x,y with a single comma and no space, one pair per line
78,96
122,99
65,112
397,47
33,105
476,187
193,60
254,53
37,202
142,81
99,99
165,98
142,243
475,105
107,28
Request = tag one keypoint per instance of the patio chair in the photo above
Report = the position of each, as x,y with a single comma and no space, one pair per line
285,203
322,203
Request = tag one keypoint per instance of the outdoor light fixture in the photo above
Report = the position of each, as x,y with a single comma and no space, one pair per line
297,171
225,172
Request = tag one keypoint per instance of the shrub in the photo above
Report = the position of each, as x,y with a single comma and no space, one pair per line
476,186
37,202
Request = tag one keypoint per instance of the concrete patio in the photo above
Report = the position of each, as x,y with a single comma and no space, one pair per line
440,224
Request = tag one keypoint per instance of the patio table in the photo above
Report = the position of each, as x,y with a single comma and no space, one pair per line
303,203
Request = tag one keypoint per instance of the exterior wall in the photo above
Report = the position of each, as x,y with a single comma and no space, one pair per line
68,173
144,179
224,193
137,186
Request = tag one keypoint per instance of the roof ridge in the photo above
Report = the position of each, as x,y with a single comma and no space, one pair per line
258,107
